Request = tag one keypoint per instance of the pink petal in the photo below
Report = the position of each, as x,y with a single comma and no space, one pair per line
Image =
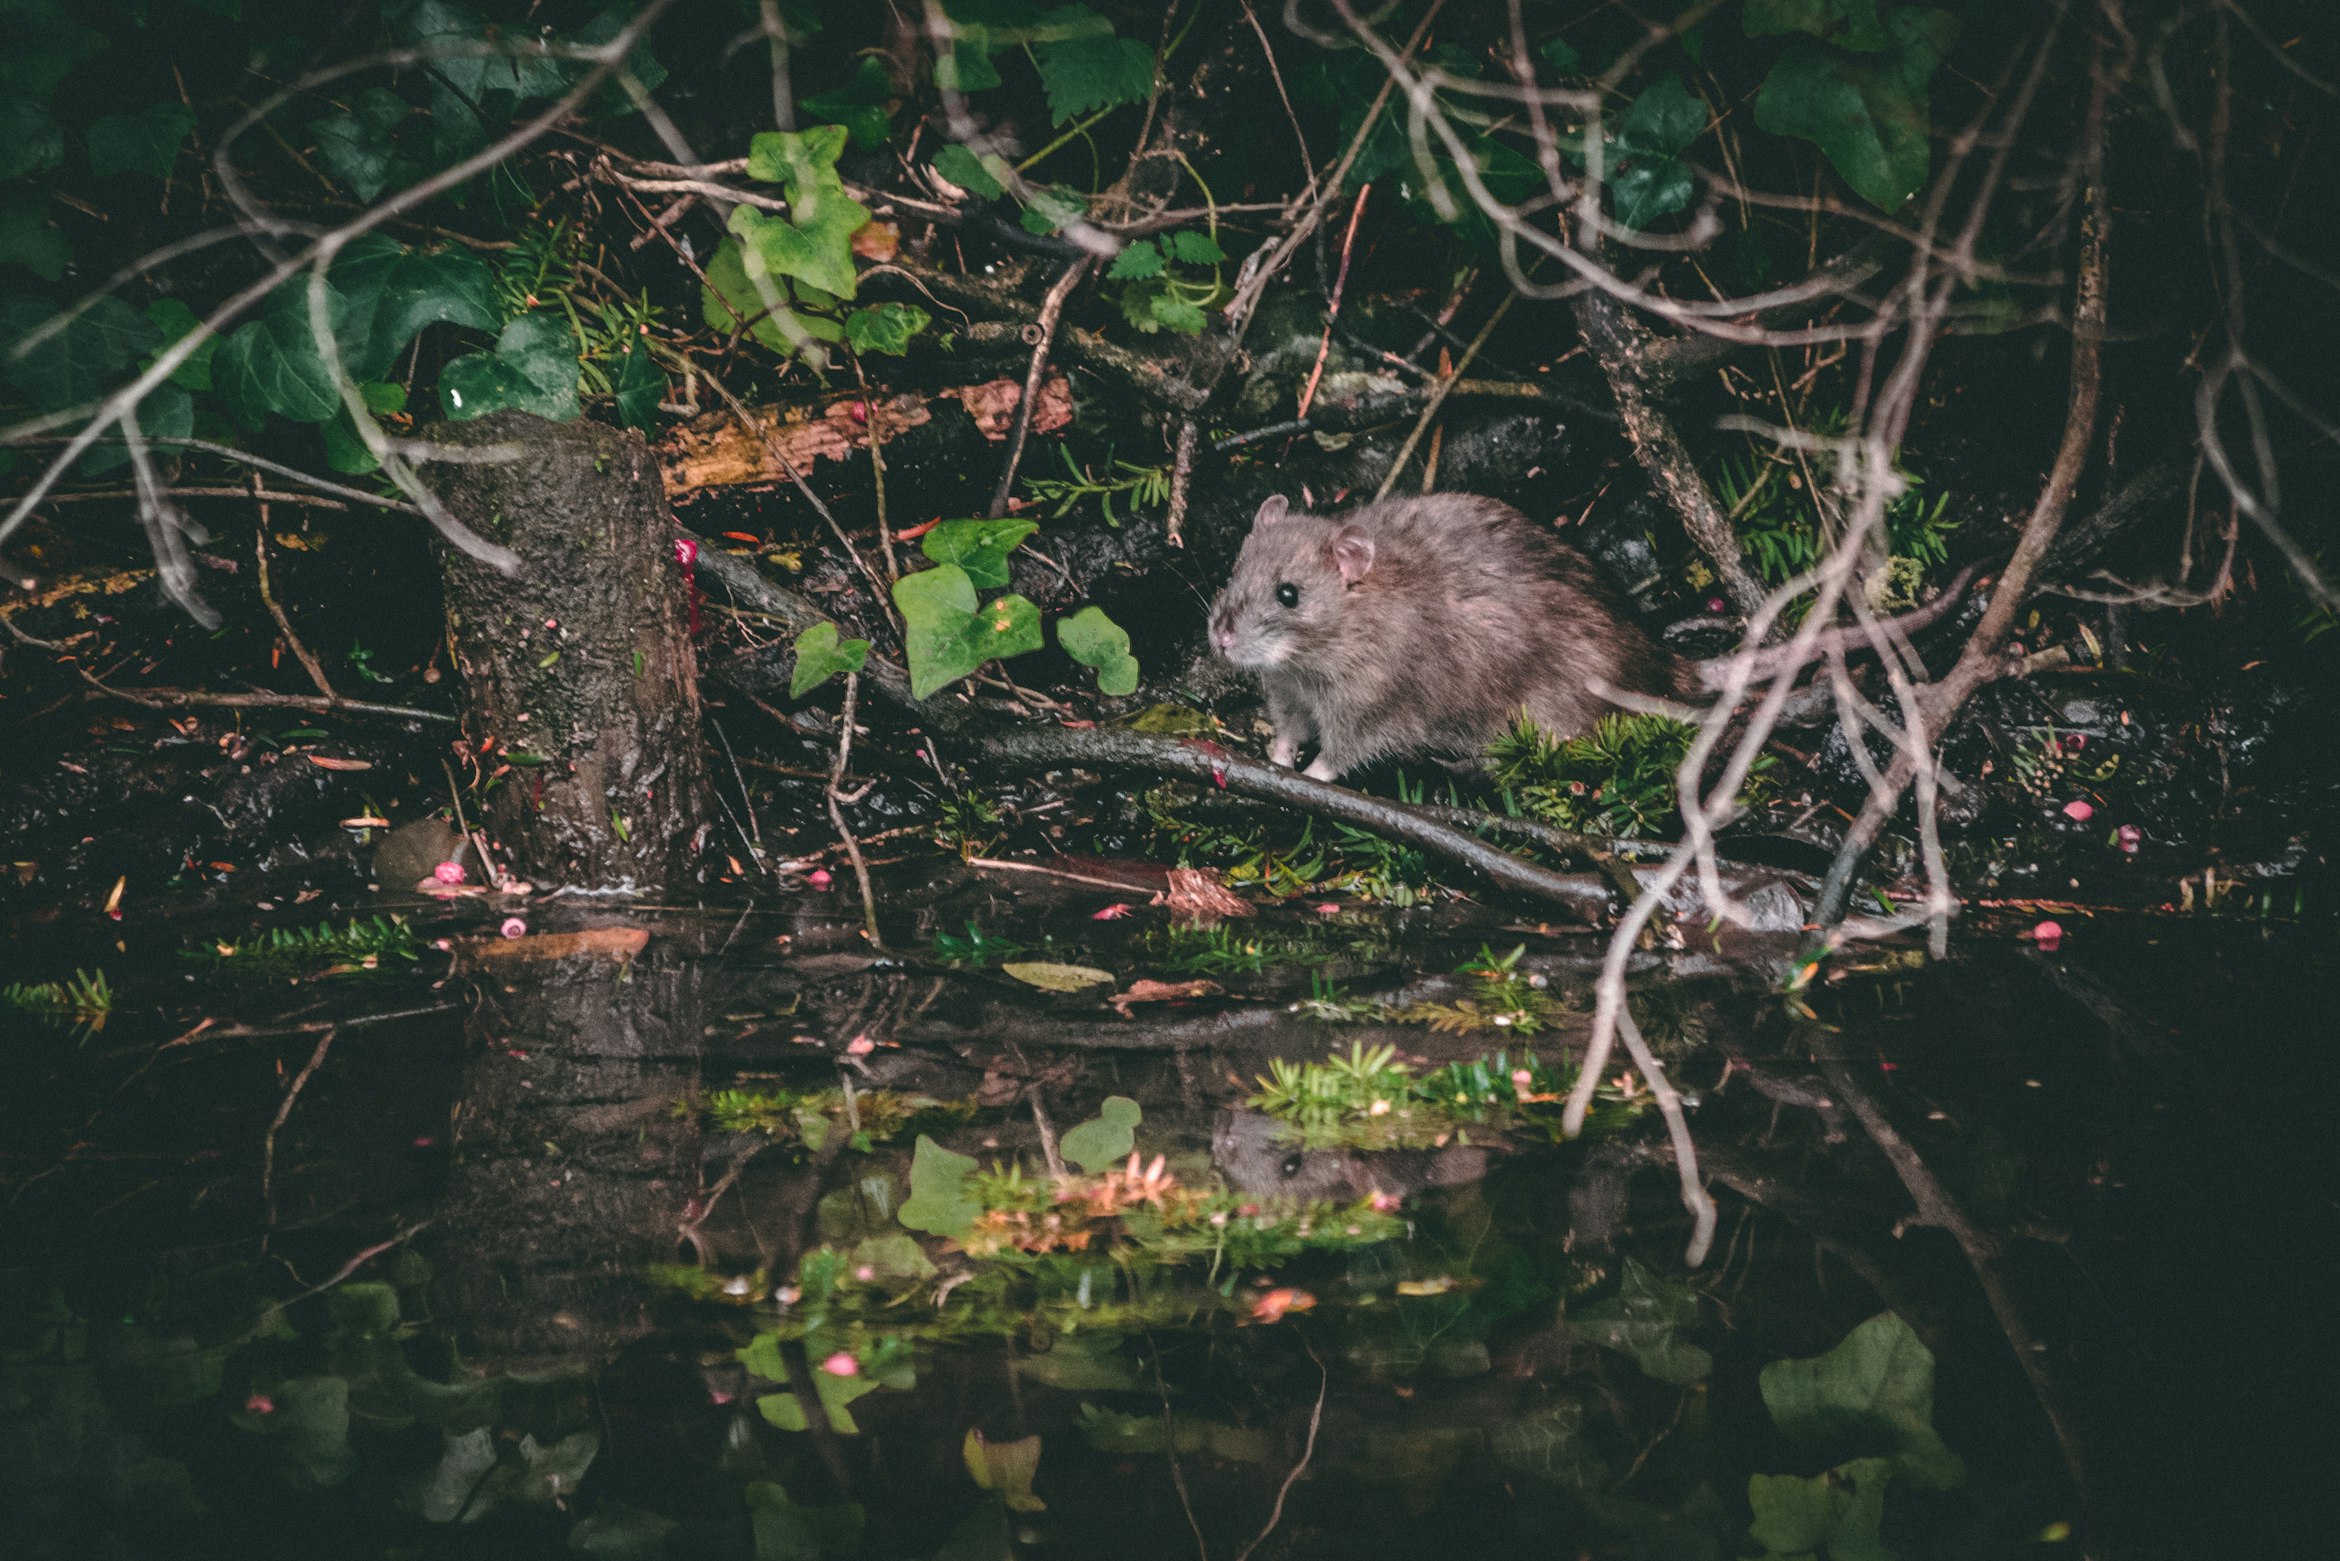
860,1046
1110,913
448,872
2131,837
2048,935
818,878
1328,908
513,927
2079,812
842,1364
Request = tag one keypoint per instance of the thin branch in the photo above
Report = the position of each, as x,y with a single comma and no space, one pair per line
1042,337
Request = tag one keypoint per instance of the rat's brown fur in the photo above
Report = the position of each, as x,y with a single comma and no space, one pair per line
1426,625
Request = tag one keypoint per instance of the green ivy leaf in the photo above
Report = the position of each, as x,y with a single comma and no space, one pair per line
1648,189
345,449
1873,1393
1838,1514
1083,66
1195,249
1107,1137
860,105
144,141
166,415
394,292
1869,114
44,44
359,146
30,240
639,385
174,319
938,1203
1665,119
1849,24
783,1410
948,637
980,547
80,361
732,293
1139,261
886,327
1560,54
814,246
533,369
796,158
273,363
1095,640
985,178
821,655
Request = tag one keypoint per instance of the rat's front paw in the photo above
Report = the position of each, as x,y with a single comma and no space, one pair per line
1323,769
1284,751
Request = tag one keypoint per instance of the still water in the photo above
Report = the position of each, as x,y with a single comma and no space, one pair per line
719,1233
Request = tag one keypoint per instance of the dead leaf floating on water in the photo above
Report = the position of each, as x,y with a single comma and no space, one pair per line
1050,977
1162,992
326,761
593,943
1199,897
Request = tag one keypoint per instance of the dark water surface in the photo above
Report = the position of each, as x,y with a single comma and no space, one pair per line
452,1257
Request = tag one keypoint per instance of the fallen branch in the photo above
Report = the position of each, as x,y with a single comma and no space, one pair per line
1043,336
1584,895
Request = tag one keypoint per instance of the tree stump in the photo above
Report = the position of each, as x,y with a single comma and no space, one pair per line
583,693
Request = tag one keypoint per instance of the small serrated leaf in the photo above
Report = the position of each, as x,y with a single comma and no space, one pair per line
1141,259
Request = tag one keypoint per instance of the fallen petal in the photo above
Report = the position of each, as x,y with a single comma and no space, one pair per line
2048,935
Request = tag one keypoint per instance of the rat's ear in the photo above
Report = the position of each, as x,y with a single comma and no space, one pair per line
1352,550
1271,510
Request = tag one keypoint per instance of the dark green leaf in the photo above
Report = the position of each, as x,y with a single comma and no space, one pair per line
821,655
1649,188
1838,1513
980,547
40,44
1095,640
174,319
1849,24
167,414
860,104
967,68
1873,1393
1106,1138
360,145
886,327
533,369
77,362
1869,114
639,384
938,1203
1560,54
345,449
1140,260
1666,118
394,292
273,363
948,635
982,177
146,141
30,240
1196,249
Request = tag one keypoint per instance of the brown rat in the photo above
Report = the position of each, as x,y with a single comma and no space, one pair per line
1425,625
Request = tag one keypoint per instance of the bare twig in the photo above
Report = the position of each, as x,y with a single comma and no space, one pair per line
307,658
1042,336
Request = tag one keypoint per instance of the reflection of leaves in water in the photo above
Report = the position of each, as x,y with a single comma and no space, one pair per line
1646,1319
1106,1137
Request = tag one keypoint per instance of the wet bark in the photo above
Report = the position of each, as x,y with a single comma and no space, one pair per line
579,668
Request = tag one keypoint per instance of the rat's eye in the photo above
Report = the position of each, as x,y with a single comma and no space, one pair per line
1292,1164
1288,594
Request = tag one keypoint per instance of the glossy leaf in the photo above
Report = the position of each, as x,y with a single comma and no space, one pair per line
821,655
859,105
639,385
174,319
394,292
359,146
533,369
80,360
167,414
980,547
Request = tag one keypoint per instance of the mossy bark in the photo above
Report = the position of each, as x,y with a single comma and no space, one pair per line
582,687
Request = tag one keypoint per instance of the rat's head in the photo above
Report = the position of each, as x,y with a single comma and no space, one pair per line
1290,586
